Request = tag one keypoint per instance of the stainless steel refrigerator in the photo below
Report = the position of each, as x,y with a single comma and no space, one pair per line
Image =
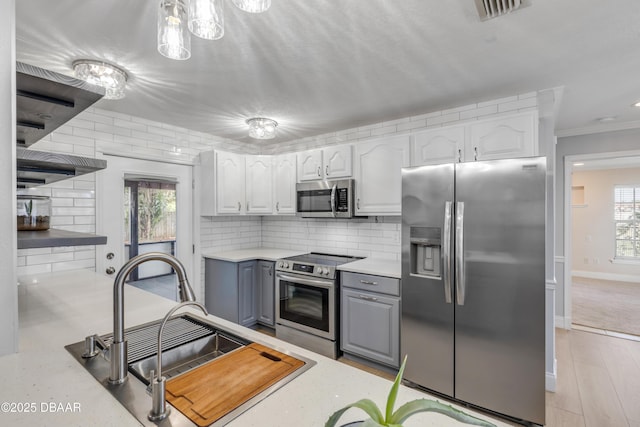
473,283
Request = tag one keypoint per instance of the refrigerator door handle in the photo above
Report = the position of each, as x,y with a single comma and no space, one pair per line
460,279
446,252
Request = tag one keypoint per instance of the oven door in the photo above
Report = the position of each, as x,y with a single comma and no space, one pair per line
307,304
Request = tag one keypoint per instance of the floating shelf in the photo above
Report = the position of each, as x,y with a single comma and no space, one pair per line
54,238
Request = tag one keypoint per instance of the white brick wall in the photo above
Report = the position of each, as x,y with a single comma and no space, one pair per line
466,113
358,237
73,200
97,130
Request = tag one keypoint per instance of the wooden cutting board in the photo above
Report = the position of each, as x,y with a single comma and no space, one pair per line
210,391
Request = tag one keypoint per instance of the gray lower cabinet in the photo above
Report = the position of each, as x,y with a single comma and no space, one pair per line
370,321
266,293
241,292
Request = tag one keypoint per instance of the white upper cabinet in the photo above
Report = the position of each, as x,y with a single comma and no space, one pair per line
325,163
310,165
284,184
337,161
378,175
437,146
259,194
503,137
230,183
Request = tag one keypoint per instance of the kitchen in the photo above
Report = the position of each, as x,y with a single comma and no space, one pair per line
370,234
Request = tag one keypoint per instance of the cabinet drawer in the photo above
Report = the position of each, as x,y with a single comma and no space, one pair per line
371,283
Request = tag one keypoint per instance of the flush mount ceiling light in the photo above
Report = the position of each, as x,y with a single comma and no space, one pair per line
262,128
174,40
206,19
253,6
110,77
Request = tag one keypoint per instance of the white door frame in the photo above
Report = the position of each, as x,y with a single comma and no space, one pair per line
568,223
183,176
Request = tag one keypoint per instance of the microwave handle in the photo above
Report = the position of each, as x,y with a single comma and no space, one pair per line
333,200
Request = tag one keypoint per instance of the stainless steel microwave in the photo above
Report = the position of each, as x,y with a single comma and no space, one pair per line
325,199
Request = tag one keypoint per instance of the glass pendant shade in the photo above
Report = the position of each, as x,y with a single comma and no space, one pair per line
110,77
174,39
262,128
252,6
206,18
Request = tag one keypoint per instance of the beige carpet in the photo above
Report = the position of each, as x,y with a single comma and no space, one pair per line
602,304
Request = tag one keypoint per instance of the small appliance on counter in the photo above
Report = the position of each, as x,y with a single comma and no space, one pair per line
307,301
33,212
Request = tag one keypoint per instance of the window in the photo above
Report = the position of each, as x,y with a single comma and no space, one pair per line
627,221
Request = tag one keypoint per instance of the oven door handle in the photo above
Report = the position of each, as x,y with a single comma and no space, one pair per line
305,281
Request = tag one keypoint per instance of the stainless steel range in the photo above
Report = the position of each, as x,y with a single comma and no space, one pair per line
307,303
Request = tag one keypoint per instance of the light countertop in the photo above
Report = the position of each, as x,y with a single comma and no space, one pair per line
239,255
377,267
57,309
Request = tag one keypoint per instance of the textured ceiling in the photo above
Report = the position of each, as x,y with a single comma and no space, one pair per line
319,66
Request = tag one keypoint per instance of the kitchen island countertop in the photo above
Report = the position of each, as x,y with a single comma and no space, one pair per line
57,309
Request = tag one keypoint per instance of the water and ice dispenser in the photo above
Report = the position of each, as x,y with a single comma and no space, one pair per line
425,251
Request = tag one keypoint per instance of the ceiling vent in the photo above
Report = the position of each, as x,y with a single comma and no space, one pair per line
489,9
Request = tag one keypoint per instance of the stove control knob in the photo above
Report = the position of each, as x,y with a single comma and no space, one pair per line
321,270
286,265
279,264
327,271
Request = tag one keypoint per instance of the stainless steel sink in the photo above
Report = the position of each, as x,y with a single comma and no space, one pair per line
188,356
188,341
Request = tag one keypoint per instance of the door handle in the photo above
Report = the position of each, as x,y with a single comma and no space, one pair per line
367,282
326,170
319,174
460,273
239,206
446,252
459,155
333,200
475,151
277,206
364,297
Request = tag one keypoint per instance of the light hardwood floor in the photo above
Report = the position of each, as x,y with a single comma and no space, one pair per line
598,382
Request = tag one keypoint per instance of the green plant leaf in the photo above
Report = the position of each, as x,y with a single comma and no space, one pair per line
426,405
393,393
366,405
371,423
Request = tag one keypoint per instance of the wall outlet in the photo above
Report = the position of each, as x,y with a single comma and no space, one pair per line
596,261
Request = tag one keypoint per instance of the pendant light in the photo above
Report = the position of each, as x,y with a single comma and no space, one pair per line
206,19
262,128
253,6
174,40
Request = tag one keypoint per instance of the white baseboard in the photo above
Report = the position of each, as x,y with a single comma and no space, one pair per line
550,378
606,276
563,322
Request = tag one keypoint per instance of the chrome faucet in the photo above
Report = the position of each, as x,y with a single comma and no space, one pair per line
118,348
158,384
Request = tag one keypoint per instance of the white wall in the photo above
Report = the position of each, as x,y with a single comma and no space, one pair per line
593,233
8,289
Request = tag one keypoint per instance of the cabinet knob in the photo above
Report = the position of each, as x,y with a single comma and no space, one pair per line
110,255
110,270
